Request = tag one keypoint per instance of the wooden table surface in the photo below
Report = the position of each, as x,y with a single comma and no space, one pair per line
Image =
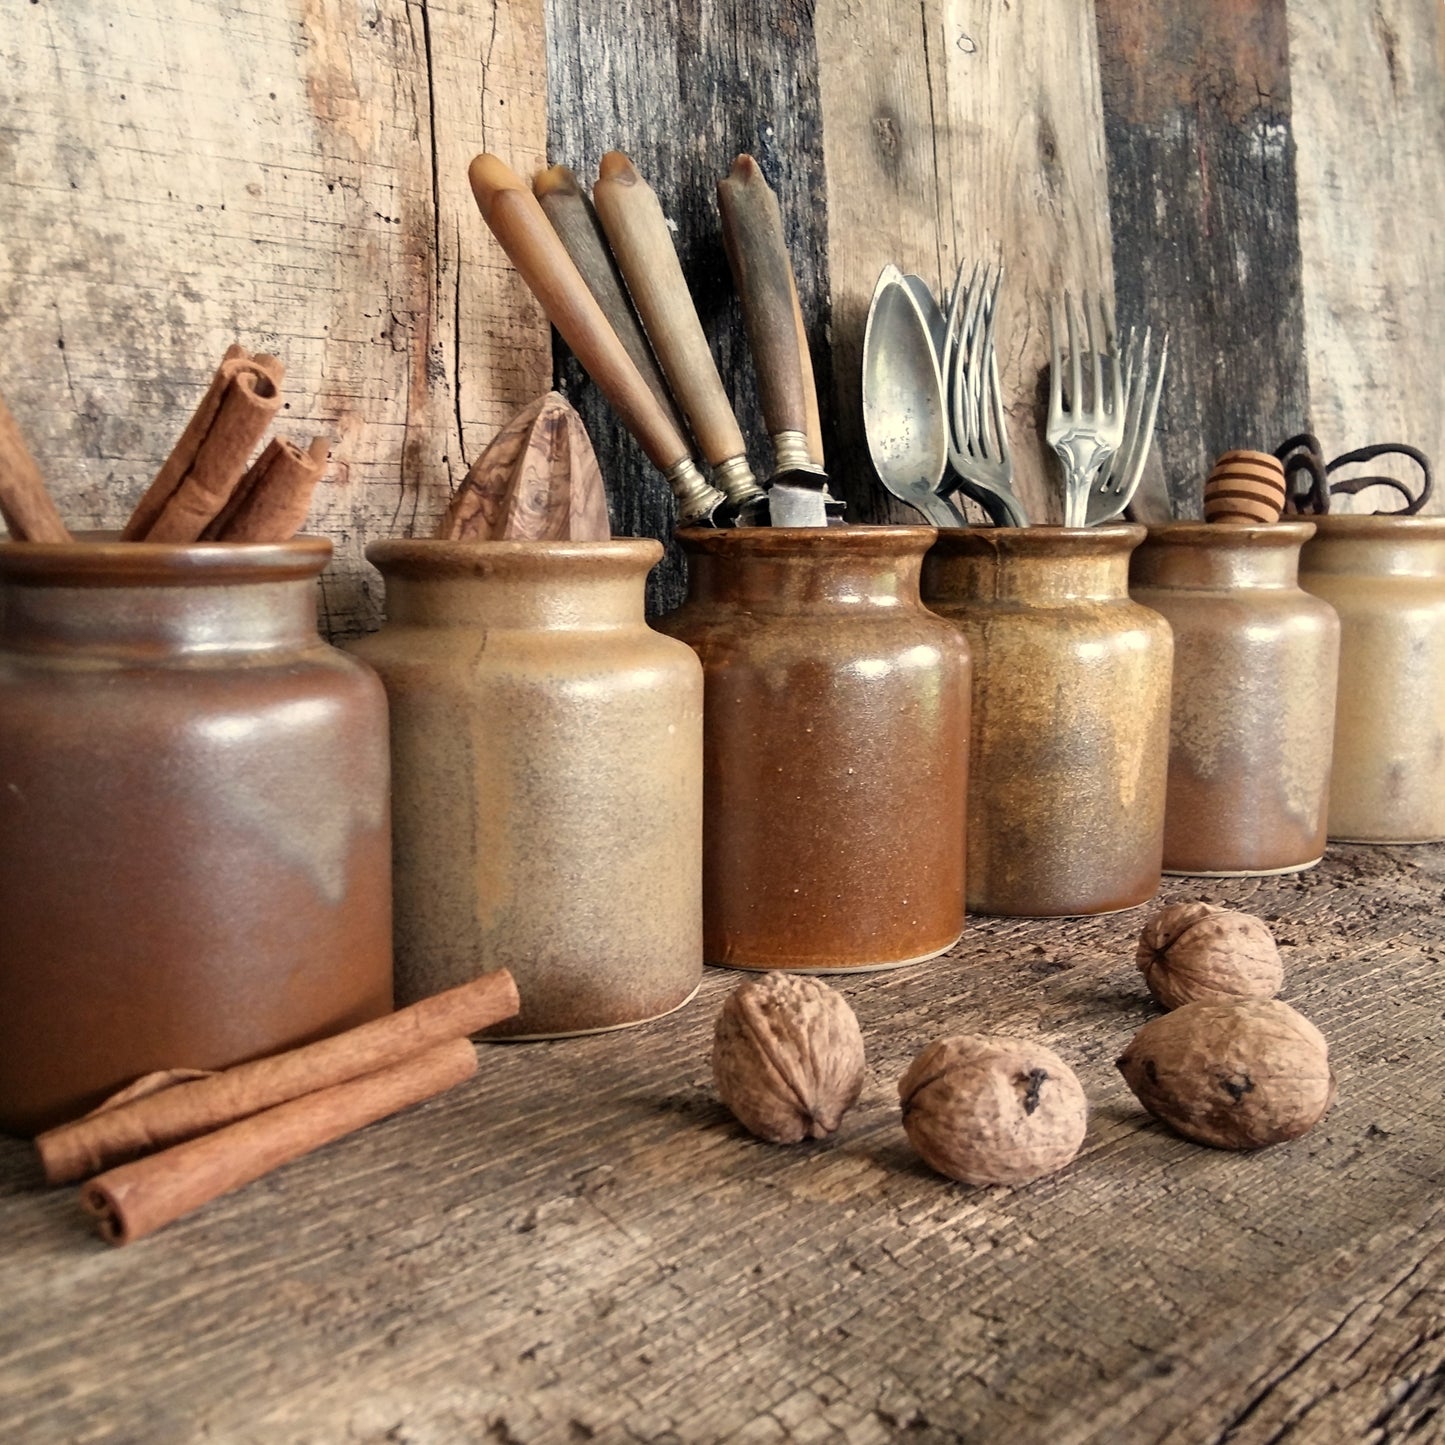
580,1244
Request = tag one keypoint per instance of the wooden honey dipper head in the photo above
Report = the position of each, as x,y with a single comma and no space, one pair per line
1245,489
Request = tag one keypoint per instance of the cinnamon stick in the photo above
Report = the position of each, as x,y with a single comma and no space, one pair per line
271,501
207,462
29,513
136,1199
111,1135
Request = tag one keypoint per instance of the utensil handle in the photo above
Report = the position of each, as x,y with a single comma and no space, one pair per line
520,225
814,428
752,228
638,234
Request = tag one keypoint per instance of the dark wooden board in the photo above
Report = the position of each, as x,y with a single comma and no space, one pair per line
682,88
581,1244
1202,201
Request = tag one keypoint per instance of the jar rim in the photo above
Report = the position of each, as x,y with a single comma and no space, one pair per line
100,559
1112,537
1287,532
860,540
1377,526
431,557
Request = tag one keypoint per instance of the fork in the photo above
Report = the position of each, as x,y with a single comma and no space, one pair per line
1121,479
978,450
1085,436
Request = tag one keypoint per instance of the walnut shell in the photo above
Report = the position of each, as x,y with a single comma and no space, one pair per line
1237,1074
787,1057
1192,951
988,1109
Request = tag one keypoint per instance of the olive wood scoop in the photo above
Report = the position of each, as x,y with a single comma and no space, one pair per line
763,273
638,234
518,222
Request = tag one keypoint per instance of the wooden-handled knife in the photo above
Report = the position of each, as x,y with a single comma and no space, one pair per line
520,225
763,273
562,197
638,234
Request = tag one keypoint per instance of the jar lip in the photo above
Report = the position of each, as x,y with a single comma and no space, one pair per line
852,541
1376,527
100,559
1056,541
1287,532
431,557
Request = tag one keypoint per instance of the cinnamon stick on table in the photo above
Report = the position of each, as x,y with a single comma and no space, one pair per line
271,501
111,1135
208,461
138,1198
29,513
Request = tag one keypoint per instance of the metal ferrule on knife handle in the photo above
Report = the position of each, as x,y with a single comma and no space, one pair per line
525,234
640,239
793,451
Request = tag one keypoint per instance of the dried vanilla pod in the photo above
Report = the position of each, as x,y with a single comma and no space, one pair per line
787,1057
990,1109
1236,1074
1193,951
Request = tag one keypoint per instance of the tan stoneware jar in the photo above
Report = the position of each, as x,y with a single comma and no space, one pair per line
1070,716
195,860
837,748
1385,576
1255,666
547,762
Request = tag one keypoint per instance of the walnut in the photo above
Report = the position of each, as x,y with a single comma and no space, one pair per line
1237,1074
1192,951
988,1109
787,1057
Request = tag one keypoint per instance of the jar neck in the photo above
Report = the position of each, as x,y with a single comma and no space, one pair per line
1377,546
1216,557
532,586
143,600
808,569
1037,566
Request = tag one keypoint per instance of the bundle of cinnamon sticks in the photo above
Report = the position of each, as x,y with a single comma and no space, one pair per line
172,1142
208,490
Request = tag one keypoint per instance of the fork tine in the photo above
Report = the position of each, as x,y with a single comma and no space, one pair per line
1076,360
989,431
1056,363
951,338
1095,347
978,313
968,355
1110,344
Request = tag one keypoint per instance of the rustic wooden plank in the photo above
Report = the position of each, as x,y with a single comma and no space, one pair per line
956,132
683,88
1202,197
182,175
581,1244
1369,128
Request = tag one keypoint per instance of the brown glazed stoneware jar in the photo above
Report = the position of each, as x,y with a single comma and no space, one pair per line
1070,716
195,860
837,748
1385,576
1255,666
547,765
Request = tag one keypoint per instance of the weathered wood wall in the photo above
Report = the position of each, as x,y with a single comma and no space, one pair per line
1262,176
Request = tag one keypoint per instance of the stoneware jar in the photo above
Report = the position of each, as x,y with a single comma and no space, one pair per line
194,840
1385,576
1253,710
1070,716
547,763
837,748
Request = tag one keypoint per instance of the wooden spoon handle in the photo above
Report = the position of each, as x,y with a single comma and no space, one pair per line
753,238
641,242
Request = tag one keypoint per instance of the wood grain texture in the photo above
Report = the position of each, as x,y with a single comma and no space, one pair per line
1369,126
682,88
581,1244
958,132
1202,197
182,175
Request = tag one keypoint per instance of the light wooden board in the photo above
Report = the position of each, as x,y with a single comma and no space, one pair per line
581,1244
958,132
178,176
1369,106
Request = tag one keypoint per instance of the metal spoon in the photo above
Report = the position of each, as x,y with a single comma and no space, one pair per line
904,419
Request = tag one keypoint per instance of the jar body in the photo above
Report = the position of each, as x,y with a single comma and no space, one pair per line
836,748
1255,667
547,764
194,835
1070,716
1385,577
